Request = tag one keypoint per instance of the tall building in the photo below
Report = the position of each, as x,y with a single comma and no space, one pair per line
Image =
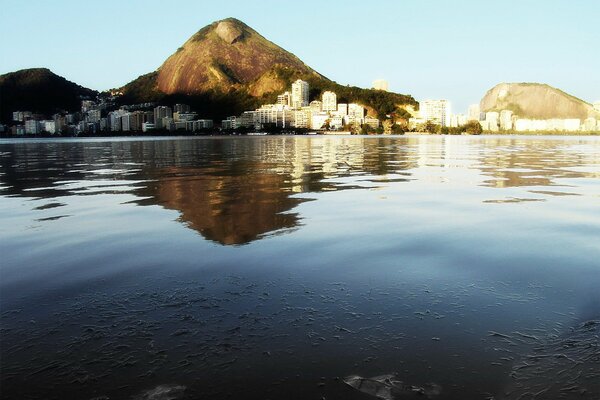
299,94
506,120
491,117
474,112
437,111
161,112
380,84
329,100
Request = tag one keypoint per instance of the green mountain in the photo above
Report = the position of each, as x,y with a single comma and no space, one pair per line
39,90
535,101
227,67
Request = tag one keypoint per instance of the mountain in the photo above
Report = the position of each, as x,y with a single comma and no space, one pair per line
227,67
39,90
535,101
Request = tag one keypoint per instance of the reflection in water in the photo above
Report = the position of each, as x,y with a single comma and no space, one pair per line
421,257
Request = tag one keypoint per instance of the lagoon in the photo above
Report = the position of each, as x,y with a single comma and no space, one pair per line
274,267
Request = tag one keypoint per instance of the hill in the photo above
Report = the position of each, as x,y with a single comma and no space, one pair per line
227,67
535,101
39,90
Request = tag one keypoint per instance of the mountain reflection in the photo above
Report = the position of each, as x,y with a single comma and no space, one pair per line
226,208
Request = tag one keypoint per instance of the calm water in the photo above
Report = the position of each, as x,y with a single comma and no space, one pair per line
272,268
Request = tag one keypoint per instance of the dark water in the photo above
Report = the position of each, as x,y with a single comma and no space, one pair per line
271,268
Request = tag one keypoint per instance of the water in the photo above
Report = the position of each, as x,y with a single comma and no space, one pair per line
273,267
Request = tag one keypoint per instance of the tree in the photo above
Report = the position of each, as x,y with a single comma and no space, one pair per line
473,128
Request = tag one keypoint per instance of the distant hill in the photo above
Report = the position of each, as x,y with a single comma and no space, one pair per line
227,67
39,90
535,101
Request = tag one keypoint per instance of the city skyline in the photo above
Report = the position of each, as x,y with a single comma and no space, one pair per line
436,51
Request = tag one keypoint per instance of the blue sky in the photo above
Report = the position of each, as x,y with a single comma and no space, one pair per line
428,48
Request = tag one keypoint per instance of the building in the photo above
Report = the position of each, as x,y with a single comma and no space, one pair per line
590,124
22,116
285,99
32,127
474,112
506,120
302,119
316,106
356,111
87,105
436,111
380,84
147,126
319,120
232,122
184,116
457,120
181,108
492,118
329,100
299,94
342,109
161,112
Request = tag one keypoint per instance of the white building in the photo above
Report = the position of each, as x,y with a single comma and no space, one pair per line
492,118
458,120
342,109
302,118
318,120
329,100
380,84
285,99
316,106
589,124
49,126
437,111
506,120
474,112
299,93
372,122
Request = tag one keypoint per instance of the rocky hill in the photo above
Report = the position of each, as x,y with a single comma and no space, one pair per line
228,67
535,101
39,90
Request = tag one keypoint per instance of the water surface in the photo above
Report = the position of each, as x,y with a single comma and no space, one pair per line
272,267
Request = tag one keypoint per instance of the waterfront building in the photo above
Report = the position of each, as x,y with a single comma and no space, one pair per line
302,118
32,127
492,118
248,119
342,109
474,113
380,84
506,120
318,120
356,111
336,122
329,100
589,124
300,90
160,113
457,120
436,111
230,123
148,126
48,126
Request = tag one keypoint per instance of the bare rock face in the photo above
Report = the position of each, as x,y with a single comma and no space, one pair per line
229,32
225,55
535,100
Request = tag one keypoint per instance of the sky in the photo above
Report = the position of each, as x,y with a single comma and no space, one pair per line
430,49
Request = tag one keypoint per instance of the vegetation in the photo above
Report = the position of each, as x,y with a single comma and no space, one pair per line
41,91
